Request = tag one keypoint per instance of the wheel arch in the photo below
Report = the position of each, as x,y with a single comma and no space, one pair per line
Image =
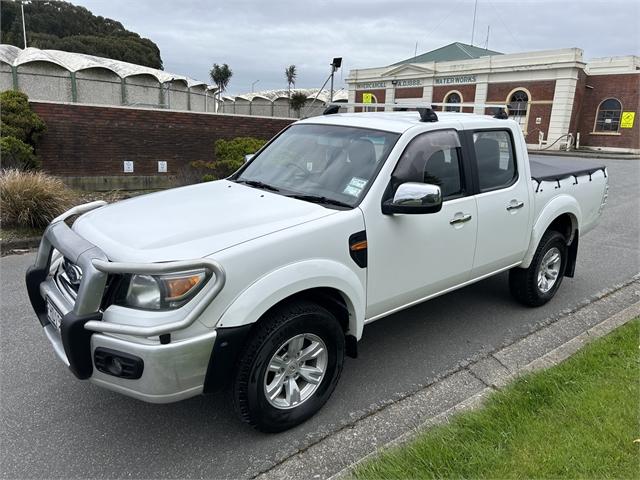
329,283
562,214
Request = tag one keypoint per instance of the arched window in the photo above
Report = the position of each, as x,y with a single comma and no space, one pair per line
453,97
608,116
518,105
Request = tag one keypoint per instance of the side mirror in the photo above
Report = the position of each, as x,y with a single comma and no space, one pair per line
248,157
414,198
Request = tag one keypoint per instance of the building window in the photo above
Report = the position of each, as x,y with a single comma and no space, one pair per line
453,97
608,116
518,104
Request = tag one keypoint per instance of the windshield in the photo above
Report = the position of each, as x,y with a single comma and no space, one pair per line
327,164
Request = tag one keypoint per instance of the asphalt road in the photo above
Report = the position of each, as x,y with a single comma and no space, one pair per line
53,425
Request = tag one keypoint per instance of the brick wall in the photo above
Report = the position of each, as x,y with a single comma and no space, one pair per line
543,112
84,140
540,90
578,100
413,92
379,94
623,87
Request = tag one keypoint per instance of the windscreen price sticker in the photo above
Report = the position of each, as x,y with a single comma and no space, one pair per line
367,98
626,121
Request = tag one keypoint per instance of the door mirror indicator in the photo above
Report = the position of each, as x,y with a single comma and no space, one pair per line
414,198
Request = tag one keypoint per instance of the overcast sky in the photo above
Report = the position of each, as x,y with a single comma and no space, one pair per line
258,39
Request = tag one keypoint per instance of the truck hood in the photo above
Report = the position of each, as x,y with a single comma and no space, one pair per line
191,222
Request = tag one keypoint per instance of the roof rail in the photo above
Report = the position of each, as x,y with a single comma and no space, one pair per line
501,114
331,109
427,115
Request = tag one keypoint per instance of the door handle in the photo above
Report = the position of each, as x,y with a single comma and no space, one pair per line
515,206
462,219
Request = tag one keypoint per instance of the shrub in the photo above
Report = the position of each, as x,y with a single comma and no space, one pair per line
20,130
229,157
297,101
207,177
17,118
31,199
16,154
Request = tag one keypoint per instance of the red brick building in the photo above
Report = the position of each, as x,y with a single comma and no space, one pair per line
555,95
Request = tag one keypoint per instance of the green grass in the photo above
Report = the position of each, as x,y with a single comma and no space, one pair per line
578,419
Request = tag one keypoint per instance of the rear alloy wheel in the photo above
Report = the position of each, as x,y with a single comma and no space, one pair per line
536,285
289,367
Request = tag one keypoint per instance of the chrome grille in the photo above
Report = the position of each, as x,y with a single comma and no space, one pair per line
68,278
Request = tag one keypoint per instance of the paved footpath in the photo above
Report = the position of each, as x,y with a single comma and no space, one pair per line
54,426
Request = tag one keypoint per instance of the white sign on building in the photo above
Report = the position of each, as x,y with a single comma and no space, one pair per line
414,82
369,85
455,80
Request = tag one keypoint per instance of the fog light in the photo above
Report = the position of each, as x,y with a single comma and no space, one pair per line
118,364
114,365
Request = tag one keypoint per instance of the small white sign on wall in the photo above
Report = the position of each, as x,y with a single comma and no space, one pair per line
128,166
162,166
538,120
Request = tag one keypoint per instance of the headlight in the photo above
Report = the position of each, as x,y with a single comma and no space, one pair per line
160,292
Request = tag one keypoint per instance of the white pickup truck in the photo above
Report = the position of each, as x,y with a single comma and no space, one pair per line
261,283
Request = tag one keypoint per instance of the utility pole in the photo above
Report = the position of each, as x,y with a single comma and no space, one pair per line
24,29
473,28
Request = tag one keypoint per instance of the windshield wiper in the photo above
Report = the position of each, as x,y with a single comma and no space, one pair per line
258,184
320,199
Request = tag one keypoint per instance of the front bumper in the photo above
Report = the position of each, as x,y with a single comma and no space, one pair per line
172,370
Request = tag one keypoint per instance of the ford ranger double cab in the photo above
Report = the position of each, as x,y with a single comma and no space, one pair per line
261,283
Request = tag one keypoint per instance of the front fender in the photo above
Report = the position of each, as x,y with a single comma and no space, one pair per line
557,206
277,285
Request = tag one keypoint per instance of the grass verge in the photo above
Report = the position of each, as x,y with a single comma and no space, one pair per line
578,419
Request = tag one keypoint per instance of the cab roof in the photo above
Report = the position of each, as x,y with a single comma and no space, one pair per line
399,122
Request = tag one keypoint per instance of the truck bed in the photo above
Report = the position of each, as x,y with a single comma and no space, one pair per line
555,169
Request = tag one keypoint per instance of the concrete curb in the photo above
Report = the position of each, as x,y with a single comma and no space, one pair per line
9,247
335,455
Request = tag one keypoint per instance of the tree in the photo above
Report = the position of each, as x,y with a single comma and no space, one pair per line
290,74
297,101
220,75
63,26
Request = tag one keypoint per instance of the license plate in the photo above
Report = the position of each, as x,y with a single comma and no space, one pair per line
53,314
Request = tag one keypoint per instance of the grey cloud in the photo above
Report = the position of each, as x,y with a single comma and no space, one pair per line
259,39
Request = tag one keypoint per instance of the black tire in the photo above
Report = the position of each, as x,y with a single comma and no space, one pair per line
281,324
523,282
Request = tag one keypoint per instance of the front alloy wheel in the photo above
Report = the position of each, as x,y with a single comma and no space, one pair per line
295,371
289,367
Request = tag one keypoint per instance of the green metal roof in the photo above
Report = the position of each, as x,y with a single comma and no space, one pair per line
451,52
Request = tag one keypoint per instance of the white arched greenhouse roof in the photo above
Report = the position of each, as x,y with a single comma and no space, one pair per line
74,62
273,95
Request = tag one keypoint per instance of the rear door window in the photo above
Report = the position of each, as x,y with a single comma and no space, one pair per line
495,159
